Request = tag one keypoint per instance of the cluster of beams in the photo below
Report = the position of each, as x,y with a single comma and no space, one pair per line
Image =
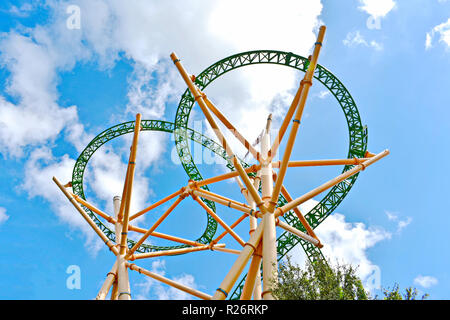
261,245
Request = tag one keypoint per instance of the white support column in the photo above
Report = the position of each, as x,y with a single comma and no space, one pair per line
269,236
106,287
123,283
111,279
118,226
257,289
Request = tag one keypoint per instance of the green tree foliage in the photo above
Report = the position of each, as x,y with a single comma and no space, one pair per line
322,281
318,281
409,294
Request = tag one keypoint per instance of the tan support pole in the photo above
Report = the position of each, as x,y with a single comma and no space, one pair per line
285,124
123,281
199,98
92,208
129,186
110,279
223,234
115,291
169,282
220,221
230,127
309,195
269,241
253,276
158,203
165,236
257,288
225,199
108,242
225,176
313,163
175,251
298,233
307,80
300,217
226,250
239,265
230,204
155,225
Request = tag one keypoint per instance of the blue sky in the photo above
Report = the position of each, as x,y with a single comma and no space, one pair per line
61,86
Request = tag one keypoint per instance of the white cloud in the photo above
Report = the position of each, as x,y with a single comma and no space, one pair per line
354,39
323,94
3,215
443,31
23,11
347,242
31,118
106,170
401,224
140,32
153,289
425,281
377,8
39,170
36,117
147,99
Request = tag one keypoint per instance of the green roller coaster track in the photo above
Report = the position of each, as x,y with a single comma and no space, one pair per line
286,241
357,138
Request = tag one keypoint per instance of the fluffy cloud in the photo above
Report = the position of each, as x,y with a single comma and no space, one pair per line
377,8
143,33
39,170
140,32
106,170
36,117
401,224
3,215
354,39
425,281
347,242
442,31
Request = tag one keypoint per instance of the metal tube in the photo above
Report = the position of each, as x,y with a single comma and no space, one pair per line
158,203
232,129
298,115
253,275
155,225
86,217
232,174
300,217
232,226
109,281
269,241
132,165
173,251
221,201
123,281
169,282
298,233
198,97
295,203
230,279
220,221
325,162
